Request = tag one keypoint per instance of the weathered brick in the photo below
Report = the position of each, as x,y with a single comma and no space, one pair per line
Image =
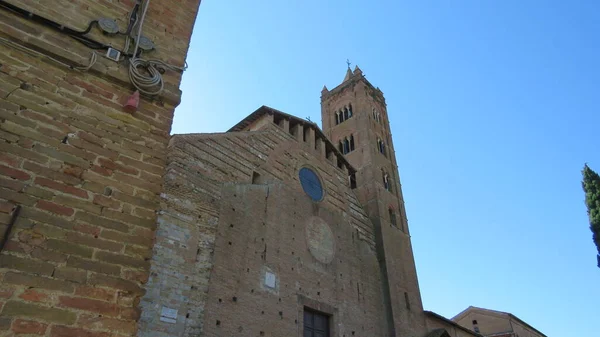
94,242
111,165
43,217
101,222
94,148
37,192
86,205
136,201
97,293
69,248
121,259
21,326
10,160
6,292
63,156
65,331
106,181
4,114
5,322
143,252
141,165
6,207
101,170
24,264
33,295
48,256
148,223
101,307
38,282
54,208
61,187
105,323
29,133
51,174
12,309
17,197
99,267
14,173
11,184
70,274
106,202
23,153
116,283
132,239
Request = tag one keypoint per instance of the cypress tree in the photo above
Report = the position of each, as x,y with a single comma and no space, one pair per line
591,186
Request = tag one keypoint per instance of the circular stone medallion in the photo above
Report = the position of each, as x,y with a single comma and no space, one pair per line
320,239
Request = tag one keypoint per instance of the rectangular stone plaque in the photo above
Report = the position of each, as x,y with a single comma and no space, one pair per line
270,280
168,315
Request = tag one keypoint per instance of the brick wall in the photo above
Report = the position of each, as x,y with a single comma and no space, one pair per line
227,197
86,174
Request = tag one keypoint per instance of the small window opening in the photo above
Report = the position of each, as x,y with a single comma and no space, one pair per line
341,147
346,146
386,182
474,322
350,110
340,163
392,217
293,129
353,180
351,142
406,299
337,118
256,178
345,113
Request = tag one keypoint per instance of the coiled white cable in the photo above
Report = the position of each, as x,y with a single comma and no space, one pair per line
150,81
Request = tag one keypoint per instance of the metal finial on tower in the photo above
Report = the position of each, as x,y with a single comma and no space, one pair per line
348,62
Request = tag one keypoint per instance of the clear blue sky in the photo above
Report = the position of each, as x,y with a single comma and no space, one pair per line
494,107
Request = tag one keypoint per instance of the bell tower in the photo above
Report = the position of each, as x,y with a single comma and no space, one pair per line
355,118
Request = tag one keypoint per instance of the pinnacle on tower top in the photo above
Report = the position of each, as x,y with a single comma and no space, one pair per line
349,74
357,71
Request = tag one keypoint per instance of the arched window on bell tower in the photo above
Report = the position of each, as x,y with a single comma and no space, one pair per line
346,113
392,215
351,142
350,110
346,145
386,181
337,118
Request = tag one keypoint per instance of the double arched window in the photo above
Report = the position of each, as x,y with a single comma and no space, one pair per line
346,145
343,114
376,115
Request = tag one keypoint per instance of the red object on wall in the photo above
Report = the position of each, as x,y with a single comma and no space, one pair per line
132,102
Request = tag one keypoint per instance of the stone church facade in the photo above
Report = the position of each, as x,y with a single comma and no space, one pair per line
111,227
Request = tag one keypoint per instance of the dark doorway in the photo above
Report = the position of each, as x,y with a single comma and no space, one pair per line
315,324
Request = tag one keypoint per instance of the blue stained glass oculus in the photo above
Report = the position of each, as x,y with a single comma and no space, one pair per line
311,184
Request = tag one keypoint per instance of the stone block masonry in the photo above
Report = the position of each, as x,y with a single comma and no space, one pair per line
86,175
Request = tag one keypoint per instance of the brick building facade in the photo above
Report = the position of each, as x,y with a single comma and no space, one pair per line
111,227
80,178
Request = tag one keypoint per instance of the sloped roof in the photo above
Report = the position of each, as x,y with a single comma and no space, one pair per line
451,322
256,115
489,311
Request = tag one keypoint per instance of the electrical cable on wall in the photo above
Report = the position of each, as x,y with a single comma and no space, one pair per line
145,75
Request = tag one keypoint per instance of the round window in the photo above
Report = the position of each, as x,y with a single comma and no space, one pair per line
311,184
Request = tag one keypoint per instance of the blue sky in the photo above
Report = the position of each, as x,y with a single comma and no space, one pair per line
494,108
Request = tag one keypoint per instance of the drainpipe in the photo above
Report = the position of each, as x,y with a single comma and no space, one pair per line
13,219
